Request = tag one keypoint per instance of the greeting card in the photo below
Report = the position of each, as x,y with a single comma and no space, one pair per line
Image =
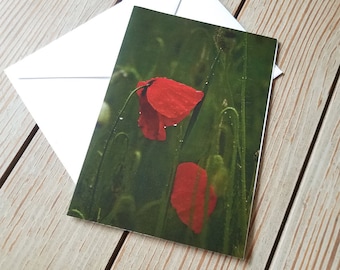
176,149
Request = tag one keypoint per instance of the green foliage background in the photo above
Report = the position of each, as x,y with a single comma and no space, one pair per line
126,180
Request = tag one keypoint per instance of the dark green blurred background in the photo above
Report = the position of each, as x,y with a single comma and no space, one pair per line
126,180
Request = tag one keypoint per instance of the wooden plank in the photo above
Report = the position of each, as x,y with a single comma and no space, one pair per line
315,214
35,232
309,57
24,28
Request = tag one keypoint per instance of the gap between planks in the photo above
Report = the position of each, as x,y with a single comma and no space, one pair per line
18,155
303,169
239,8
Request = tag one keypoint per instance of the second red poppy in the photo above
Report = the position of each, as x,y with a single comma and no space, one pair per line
189,194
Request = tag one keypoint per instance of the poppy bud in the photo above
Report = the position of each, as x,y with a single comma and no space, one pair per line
217,174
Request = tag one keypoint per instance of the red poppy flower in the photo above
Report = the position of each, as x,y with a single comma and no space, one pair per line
188,195
164,102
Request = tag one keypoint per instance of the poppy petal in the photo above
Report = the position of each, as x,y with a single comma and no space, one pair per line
149,120
188,195
164,102
173,100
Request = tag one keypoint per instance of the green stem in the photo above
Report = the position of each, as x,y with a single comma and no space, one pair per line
197,109
99,168
243,141
165,198
229,198
235,126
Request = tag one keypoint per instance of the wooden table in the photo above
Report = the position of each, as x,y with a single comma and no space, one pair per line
295,223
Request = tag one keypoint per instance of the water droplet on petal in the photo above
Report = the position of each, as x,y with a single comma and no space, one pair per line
175,125
164,127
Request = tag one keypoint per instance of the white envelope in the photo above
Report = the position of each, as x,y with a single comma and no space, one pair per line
63,85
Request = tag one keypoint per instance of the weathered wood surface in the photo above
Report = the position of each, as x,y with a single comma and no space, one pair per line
311,239
35,232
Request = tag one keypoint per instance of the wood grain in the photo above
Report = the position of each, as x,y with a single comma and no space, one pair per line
307,31
35,231
311,238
